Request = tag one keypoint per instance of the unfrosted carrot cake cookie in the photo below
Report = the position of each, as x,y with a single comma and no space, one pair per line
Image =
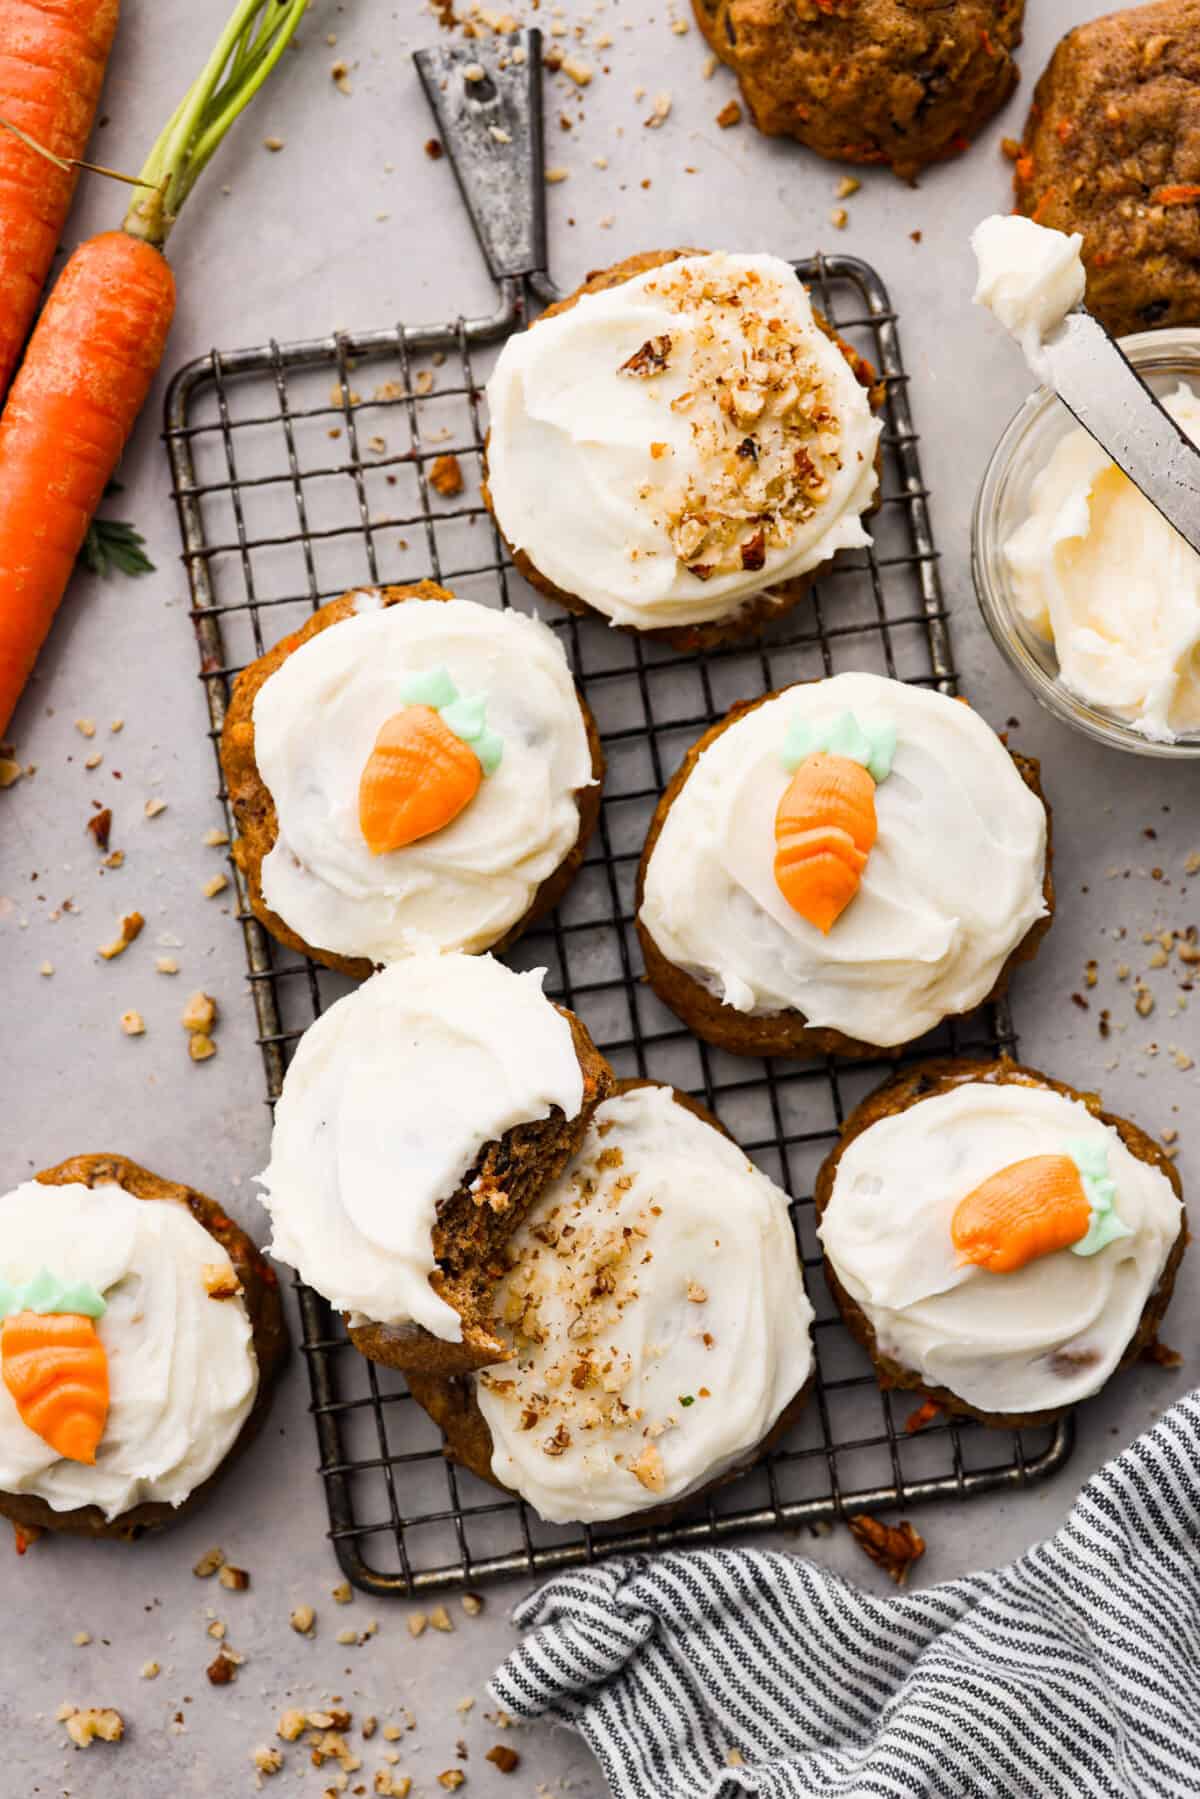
681,445
997,1241
654,1313
140,1338
420,1118
902,82
409,771
1112,150
840,866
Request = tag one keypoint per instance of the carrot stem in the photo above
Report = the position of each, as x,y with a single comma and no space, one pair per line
255,37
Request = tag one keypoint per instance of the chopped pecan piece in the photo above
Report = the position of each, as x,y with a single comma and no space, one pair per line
754,551
892,1547
648,1470
445,476
650,360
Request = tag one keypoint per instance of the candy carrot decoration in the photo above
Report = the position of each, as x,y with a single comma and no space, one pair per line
1026,1210
419,777
54,1364
825,824
57,1372
427,764
1037,1206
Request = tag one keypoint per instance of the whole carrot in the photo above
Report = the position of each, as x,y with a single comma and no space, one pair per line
98,344
52,57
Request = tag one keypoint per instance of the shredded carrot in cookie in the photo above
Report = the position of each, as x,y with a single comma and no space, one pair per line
56,1369
417,780
825,827
1179,195
1029,1209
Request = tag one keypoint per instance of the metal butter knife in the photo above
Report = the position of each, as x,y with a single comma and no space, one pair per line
1095,381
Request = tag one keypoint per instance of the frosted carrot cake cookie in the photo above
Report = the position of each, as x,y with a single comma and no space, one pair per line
420,1118
140,1335
409,771
681,445
655,1320
840,866
997,1241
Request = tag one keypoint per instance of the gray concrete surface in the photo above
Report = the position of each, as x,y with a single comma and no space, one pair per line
292,244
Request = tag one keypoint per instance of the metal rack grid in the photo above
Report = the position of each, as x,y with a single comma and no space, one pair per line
301,470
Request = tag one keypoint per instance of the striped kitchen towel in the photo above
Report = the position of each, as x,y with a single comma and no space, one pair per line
1072,1673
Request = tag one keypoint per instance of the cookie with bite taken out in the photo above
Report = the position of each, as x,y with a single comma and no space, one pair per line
655,1324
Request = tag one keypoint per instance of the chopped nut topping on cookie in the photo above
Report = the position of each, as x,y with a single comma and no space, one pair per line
760,414
578,1266
650,360
649,1470
221,1282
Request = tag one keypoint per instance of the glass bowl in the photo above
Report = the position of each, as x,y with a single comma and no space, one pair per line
1163,359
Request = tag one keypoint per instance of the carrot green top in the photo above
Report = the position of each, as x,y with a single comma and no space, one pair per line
871,744
254,39
47,1293
1091,1159
465,715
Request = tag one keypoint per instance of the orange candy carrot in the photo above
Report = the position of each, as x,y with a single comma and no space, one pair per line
56,1369
417,780
825,827
52,57
1031,1208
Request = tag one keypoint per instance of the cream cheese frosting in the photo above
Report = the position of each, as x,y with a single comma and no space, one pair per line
1097,571
315,723
658,1315
390,1097
925,936
181,1365
669,447
1043,1336
1030,278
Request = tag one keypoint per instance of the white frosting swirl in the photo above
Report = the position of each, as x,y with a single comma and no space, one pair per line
1098,571
659,1318
315,724
1043,1336
632,462
181,1365
389,1099
924,937
1030,278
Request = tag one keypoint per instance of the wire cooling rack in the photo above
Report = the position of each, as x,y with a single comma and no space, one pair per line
301,470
